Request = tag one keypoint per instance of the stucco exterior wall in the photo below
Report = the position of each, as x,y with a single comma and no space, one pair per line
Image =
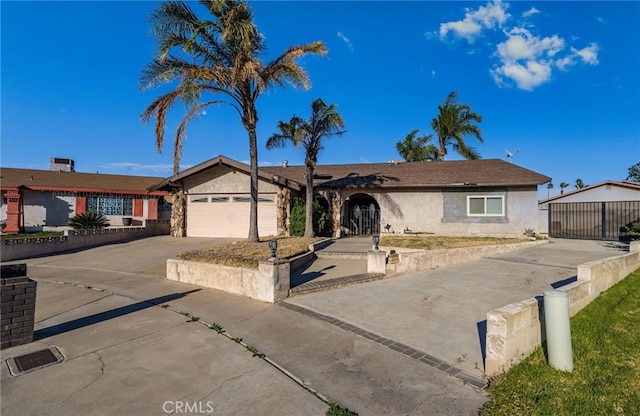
47,209
221,180
444,211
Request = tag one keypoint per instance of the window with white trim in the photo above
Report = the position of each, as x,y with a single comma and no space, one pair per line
199,199
485,206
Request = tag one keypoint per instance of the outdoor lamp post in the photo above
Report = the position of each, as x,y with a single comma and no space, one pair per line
273,245
376,241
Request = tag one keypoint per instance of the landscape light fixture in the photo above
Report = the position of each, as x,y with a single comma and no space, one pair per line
273,245
376,241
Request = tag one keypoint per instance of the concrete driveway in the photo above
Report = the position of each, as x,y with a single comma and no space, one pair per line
443,312
400,346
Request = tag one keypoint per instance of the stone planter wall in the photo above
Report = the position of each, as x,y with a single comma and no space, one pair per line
270,283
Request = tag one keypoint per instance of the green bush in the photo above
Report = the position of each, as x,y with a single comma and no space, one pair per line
298,215
88,220
633,229
337,410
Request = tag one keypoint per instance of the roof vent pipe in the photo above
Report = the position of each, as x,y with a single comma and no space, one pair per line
285,163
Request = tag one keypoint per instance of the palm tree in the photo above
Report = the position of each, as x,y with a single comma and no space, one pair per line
579,184
562,186
418,149
455,121
221,58
324,122
549,188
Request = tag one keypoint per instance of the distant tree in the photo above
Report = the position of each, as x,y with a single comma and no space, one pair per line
453,123
220,58
549,188
634,173
325,121
417,149
579,184
562,186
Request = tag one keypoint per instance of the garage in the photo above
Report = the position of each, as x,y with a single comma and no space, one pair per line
227,215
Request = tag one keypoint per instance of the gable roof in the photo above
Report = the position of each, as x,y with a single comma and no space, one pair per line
623,184
48,180
217,161
481,172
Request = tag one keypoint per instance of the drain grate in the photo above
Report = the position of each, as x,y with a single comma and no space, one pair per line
34,361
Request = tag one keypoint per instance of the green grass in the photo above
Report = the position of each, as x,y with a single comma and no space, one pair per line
605,337
34,235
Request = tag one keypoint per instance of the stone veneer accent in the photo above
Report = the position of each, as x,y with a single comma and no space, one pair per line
516,330
18,306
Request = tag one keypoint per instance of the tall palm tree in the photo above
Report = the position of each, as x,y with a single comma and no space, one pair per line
580,184
455,121
417,149
325,121
562,186
222,60
549,188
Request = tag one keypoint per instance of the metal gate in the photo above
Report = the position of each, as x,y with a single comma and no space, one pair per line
363,220
592,220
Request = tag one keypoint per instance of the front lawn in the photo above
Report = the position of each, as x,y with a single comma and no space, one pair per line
441,242
245,254
605,337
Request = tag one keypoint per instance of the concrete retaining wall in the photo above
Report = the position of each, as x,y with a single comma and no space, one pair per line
409,261
516,330
23,248
270,283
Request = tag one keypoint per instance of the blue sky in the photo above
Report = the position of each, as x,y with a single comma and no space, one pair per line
556,82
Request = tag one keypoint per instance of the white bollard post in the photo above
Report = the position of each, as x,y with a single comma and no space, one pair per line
556,315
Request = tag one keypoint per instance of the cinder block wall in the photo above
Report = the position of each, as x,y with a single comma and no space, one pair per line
516,330
18,306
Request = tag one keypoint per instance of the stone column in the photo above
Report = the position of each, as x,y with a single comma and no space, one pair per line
336,212
14,208
177,214
284,211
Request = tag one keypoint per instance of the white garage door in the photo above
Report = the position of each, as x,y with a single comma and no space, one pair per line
216,215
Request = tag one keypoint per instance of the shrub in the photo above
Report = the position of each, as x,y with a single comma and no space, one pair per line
88,220
298,215
633,229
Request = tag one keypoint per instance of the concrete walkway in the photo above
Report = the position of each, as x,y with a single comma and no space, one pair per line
130,348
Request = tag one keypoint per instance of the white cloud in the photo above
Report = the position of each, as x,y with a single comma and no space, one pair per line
589,54
346,40
525,58
136,168
527,76
485,17
433,73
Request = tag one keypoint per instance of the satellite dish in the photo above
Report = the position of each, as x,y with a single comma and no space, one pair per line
510,154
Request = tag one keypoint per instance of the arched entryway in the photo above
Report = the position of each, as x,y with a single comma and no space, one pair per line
362,215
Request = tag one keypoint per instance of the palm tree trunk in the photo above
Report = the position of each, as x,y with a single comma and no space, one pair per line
250,120
308,222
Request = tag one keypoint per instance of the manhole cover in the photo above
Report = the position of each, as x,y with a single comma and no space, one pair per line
34,361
